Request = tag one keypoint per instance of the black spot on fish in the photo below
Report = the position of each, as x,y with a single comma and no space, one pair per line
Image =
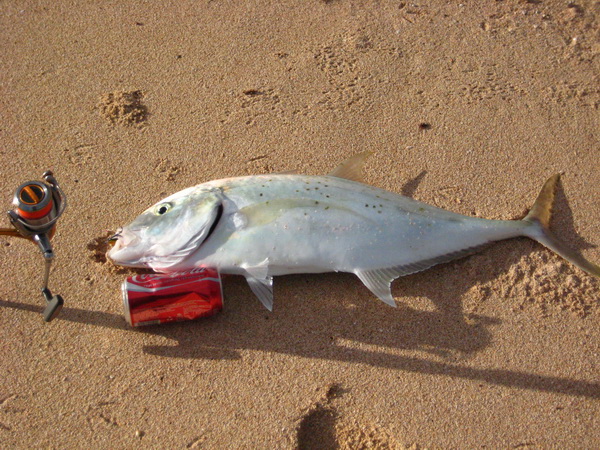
316,203
260,194
327,207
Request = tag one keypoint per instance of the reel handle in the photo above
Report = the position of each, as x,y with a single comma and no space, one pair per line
53,305
11,232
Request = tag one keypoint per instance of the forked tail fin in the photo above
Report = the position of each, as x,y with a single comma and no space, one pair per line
539,230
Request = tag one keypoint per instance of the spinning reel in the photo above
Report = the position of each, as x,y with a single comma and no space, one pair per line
37,207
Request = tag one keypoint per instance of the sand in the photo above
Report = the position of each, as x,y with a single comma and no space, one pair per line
467,105
124,108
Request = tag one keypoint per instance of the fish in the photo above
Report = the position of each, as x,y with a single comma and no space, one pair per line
262,226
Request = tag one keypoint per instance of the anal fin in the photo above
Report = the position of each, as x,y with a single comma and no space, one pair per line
379,281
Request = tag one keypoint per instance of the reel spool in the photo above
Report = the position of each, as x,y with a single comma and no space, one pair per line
37,208
33,201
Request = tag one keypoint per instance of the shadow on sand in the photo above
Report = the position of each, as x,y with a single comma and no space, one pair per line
372,335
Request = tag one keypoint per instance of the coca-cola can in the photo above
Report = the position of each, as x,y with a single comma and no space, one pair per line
151,299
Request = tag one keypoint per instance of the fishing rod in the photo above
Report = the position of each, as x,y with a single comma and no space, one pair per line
37,207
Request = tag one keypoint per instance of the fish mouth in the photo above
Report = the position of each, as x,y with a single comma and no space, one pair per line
123,249
111,241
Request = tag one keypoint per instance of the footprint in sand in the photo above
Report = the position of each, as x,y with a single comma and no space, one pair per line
124,108
324,427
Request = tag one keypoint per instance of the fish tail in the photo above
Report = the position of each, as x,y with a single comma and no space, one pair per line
538,228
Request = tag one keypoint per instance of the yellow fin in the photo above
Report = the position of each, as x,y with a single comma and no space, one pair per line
539,218
542,208
352,168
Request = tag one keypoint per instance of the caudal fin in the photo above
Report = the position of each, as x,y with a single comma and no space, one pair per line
539,230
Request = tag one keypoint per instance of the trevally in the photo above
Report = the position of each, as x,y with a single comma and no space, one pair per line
268,225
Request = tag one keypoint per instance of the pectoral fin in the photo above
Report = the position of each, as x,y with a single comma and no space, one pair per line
260,282
263,289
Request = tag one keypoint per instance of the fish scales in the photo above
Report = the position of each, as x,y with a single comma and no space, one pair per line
323,224
267,225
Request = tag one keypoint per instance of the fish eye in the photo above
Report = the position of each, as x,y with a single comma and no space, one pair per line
162,208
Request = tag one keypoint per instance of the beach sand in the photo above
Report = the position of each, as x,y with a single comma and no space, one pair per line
468,106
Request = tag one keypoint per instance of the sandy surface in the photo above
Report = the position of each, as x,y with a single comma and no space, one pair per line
468,106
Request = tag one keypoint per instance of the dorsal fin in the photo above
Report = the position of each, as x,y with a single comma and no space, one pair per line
352,168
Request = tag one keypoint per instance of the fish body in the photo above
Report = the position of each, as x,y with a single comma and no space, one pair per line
268,225
312,224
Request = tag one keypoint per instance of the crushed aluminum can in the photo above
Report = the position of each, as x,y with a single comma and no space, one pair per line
151,299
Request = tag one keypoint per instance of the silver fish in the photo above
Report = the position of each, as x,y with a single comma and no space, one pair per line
268,225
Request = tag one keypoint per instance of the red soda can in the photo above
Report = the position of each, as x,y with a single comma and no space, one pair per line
151,299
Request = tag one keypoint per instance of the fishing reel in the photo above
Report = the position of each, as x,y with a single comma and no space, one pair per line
37,207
